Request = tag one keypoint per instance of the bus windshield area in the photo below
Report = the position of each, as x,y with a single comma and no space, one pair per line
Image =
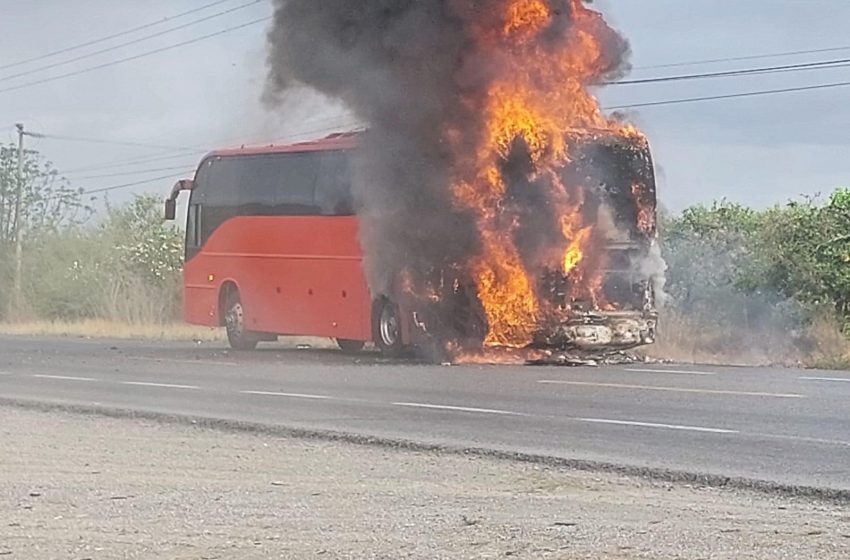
614,176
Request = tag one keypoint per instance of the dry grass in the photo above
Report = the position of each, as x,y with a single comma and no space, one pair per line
174,332
686,340
681,339
100,328
829,348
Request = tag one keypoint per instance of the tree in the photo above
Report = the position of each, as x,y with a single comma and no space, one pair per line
806,249
707,249
776,269
146,245
48,203
126,269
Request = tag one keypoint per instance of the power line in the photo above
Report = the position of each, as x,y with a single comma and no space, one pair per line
200,150
126,173
133,161
126,44
614,107
748,57
146,181
65,138
728,96
826,64
134,184
109,37
136,57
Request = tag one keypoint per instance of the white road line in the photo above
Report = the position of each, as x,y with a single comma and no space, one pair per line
5,373
176,361
838,379
460,408
655,425
677,371
289,395
806,439
64,377
165,385
673,389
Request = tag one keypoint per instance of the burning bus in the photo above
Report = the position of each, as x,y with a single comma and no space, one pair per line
565,259
273,247
492,205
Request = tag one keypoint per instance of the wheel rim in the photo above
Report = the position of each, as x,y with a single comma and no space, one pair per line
234,319
389,326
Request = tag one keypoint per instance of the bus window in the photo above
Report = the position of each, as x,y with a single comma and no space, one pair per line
333,187
193,226
262,185
292,179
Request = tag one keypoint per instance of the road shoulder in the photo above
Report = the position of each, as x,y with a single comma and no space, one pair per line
91,486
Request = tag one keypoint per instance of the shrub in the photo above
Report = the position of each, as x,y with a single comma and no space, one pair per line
746,282
128,269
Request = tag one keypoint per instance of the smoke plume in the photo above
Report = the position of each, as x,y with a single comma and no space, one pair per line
441,82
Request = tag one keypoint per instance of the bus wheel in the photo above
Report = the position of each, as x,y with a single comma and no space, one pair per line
386,328
239,337
350,346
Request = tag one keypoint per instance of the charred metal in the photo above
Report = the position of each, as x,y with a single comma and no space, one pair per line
615,174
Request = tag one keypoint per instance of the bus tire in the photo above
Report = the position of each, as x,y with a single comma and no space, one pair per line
386,328
350,346
239,337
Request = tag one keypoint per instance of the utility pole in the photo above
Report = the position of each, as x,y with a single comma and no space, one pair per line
15,300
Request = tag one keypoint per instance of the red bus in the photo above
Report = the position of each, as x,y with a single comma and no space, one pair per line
264,258
272,248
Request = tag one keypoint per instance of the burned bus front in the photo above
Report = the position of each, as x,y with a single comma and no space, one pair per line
615,175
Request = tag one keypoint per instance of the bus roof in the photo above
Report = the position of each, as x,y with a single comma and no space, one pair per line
337,141
349,140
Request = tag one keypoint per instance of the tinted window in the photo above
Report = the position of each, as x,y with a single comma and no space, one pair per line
297,184
276,184
333,187
193,226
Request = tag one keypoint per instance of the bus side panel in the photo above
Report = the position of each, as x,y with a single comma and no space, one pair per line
200,304
299,275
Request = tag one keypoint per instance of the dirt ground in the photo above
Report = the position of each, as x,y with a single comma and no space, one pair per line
76,487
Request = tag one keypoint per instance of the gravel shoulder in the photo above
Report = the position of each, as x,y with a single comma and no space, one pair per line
74,486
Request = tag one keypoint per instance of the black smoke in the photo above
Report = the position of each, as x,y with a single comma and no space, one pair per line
417,72
393,63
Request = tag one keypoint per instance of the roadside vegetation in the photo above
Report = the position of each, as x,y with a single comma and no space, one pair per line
742,285
121,266
759,286
105,328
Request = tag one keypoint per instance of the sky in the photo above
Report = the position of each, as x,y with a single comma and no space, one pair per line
184,101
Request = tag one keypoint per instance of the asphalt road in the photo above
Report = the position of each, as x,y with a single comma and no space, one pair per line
778,425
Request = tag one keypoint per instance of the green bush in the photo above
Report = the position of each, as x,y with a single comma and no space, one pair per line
760,276
127,269
805,250
48,206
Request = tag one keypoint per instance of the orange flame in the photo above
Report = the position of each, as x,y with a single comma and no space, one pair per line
526,16
576,240
646,211
504,284
540,97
